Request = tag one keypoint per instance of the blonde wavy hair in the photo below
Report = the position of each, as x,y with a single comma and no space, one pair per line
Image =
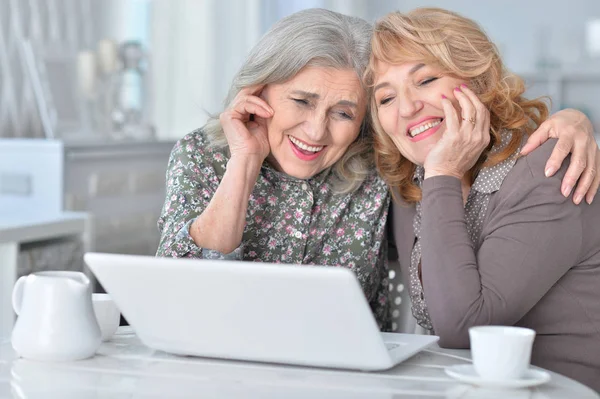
461,49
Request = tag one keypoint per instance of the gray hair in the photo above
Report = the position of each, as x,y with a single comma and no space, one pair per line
315,37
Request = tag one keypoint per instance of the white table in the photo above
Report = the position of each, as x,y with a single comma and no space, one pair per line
19,228
125,368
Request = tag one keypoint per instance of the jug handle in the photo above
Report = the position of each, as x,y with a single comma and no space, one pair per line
17,294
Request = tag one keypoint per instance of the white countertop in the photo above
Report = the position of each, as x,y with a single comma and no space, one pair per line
23,227
125,368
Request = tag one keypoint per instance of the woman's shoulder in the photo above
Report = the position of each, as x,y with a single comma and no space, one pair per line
533,164
195,142
373,193
373,183
195,146
528,173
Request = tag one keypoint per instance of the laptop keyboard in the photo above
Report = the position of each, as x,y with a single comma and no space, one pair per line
391,346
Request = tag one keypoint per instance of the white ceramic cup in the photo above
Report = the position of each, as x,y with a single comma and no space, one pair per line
500,352
107,314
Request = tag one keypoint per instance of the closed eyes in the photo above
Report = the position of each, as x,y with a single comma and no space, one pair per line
346,116
385,100
300,101
305,103
427,81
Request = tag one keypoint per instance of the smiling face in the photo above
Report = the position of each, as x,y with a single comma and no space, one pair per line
408,105
317,115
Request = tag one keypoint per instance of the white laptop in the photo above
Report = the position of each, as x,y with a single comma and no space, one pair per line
302,315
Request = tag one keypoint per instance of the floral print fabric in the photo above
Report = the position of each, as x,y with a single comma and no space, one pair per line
288,220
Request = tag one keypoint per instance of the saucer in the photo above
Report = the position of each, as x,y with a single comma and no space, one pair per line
466,373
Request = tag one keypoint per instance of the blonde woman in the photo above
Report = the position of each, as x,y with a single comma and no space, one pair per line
484,237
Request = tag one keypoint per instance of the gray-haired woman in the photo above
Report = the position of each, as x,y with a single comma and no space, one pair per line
285,175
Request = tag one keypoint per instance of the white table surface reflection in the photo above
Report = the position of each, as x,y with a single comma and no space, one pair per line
125,368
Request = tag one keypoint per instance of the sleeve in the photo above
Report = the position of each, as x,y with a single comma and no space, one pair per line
191,182
533,237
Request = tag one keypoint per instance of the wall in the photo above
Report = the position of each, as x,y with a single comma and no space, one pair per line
199,44
518,27
64,26
528,33
197,47
533,33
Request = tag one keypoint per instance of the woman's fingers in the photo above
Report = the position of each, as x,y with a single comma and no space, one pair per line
561,150
450,116
475,116
246,104
250,95
537,138
244,124
587,178
459,146
480,113
251,105
487,126
596,182
577,163
240,114
468,111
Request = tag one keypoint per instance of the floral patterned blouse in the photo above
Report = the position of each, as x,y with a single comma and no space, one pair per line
288,220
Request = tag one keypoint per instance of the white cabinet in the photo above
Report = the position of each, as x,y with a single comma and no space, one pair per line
121,185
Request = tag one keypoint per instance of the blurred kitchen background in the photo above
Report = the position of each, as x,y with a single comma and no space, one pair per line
93,94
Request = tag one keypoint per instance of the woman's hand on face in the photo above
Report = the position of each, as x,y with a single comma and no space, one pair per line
465,138
575,135
246,136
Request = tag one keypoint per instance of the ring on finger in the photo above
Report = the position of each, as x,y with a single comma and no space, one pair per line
471,119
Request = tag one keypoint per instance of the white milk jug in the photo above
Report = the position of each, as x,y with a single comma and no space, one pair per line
56,317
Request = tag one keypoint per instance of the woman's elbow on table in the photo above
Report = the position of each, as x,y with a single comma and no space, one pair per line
454,340
452,336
